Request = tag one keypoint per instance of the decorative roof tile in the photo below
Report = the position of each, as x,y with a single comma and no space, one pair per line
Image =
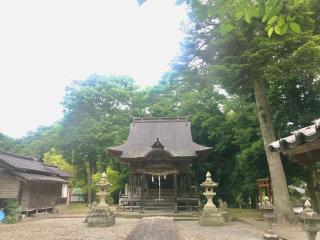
299,137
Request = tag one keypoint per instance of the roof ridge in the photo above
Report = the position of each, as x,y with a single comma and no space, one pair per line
143,119
49,165
16,155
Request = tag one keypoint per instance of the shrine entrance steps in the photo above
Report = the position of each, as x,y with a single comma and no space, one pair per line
154,228
166,203
180,216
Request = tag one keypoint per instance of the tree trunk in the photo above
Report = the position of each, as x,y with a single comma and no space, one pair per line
279,184
90,183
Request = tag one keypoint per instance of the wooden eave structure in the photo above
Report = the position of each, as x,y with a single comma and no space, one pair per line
150,137
303,146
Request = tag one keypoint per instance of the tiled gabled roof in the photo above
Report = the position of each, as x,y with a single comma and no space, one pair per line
23,162
299,137
33,177
58,171
31,168
174,134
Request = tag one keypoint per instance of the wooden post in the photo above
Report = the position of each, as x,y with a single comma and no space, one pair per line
90,183
189,184
175,192
142,189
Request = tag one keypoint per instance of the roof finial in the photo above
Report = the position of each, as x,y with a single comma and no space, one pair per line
157,144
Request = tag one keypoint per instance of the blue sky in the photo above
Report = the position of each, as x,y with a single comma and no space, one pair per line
46,44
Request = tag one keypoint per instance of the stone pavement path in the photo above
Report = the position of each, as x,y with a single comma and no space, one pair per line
154,228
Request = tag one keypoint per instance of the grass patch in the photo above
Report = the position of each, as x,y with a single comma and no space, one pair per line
244,213
76,208
81,208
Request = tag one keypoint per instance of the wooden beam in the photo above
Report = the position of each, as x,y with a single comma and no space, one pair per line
307,147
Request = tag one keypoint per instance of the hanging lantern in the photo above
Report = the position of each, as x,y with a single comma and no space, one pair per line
152,179
165,177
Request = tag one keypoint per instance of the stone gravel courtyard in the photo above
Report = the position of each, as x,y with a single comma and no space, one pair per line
76,229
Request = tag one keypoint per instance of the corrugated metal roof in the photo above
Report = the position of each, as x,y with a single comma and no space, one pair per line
301,136
173,133
33,177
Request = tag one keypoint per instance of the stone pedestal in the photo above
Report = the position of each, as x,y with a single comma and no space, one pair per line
211,217
210,214
101,215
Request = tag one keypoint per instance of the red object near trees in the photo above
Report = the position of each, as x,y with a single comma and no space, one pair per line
264,190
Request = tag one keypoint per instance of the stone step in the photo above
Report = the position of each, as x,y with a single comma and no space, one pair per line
159,208
160,204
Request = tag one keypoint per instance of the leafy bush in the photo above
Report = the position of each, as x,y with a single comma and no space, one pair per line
12,211
11,219
116,181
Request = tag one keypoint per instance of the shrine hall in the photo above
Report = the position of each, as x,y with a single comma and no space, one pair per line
159,152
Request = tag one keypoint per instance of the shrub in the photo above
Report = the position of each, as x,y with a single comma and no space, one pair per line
11,219
12,211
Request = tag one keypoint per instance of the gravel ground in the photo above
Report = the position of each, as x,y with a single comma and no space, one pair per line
291,232
65,229
190,230
75,229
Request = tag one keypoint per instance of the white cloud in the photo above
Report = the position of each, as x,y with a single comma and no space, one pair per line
44,45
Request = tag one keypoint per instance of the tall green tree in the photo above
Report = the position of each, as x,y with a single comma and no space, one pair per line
244,60
97,114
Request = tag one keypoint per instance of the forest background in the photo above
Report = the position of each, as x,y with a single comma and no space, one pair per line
212,83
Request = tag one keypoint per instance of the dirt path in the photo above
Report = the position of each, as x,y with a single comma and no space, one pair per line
154,228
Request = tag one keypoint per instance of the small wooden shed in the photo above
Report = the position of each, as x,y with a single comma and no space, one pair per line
303,148
37,186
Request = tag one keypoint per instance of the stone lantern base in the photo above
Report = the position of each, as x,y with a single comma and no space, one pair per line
211,217
101,217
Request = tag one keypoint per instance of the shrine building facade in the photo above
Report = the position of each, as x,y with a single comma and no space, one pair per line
159,152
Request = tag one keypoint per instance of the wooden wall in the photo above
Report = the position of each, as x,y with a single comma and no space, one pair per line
9,184
37,195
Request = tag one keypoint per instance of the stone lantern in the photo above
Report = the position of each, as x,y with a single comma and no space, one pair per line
310,219
101,215
269,215
208,184
102,185
210,214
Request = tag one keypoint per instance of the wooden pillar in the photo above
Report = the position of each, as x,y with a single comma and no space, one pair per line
189,184
142,191
311,184
90,182
175,191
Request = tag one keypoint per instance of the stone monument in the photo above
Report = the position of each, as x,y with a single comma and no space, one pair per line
224,210
210,214
101,215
